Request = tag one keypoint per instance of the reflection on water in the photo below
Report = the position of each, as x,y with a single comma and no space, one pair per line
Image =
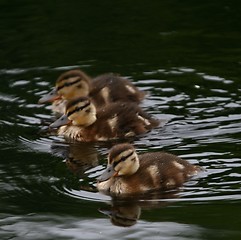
79,156
124,216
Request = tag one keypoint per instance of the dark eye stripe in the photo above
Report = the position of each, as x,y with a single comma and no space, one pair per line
123,158
67,84
78,108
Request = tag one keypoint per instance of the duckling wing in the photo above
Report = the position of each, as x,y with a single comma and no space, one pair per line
111,88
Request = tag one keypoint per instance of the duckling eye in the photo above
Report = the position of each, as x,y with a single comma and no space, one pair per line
125,157
67,84
79,86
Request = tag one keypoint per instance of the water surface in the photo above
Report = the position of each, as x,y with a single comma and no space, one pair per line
187,56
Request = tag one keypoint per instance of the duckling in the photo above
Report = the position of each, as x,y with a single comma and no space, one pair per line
128,173
102,90
116,120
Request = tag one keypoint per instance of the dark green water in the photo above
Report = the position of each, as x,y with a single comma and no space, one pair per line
187,54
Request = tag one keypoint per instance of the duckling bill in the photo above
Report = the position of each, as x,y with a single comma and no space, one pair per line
50,97
83,122
129,173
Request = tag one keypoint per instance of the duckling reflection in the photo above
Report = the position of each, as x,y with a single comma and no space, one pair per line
126,213
123,215
79,157
102,90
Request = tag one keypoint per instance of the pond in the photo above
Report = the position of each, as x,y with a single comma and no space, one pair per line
185,54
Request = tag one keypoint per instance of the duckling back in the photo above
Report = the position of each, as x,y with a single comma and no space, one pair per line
121,120
161,170
112,88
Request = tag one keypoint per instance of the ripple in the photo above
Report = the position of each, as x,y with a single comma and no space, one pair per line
20,83
39,145
17,71
7,98
86,195
66,68
29,120
216,79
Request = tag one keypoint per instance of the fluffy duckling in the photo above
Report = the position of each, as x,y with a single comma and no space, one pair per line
116,120
128,173
102,90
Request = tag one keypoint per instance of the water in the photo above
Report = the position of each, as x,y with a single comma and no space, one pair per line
186,55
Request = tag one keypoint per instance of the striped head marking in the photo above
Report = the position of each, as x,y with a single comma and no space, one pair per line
81,111
124,159
72,84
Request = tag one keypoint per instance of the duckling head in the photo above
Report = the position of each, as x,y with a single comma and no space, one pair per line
79,112
72,84
122,161
69,85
